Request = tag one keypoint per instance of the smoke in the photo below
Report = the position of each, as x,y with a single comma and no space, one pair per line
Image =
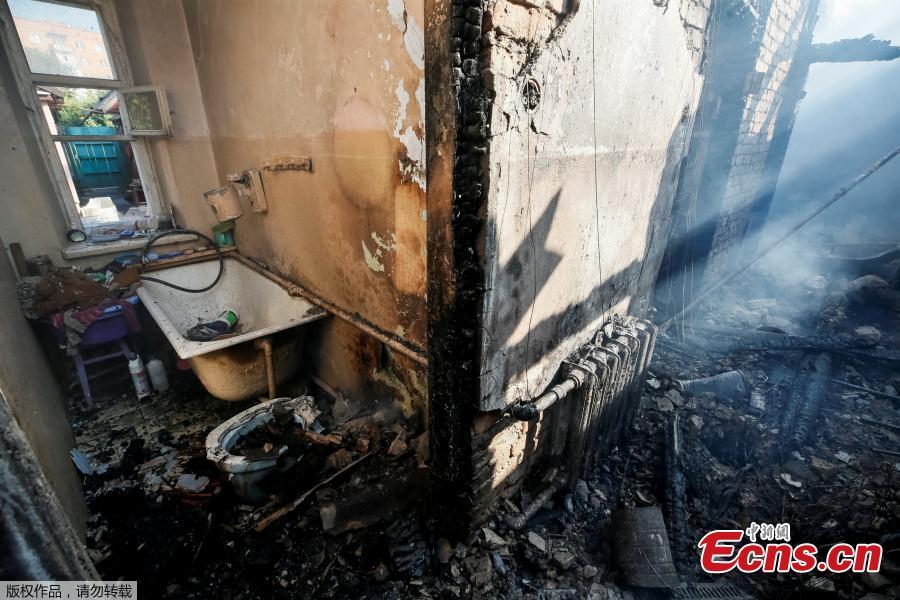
849,118
840,19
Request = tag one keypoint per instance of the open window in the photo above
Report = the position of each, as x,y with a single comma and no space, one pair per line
92,124
146,111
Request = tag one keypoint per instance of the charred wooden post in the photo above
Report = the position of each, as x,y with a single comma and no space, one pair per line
813,396
456,270
866,48
676,516
794,399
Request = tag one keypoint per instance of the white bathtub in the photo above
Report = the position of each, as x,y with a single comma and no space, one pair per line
229,368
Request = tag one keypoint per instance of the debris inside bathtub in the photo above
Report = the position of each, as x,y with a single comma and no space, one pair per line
222,325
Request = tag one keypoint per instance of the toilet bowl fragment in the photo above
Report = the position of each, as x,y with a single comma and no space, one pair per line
247,471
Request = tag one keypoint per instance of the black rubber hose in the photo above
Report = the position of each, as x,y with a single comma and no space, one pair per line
215,246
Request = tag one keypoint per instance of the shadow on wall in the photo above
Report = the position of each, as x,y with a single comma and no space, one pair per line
724,211
700,201
532,264
507,449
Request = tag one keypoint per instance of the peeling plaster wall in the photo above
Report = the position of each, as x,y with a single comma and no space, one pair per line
580,189
343,84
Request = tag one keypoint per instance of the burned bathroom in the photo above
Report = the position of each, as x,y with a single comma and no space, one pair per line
448,298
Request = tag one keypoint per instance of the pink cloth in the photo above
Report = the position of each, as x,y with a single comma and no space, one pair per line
88,315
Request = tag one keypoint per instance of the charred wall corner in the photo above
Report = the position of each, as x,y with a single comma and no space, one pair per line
455,323
550,152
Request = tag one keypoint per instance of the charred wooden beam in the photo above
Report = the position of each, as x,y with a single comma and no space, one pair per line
813,395
676,486
806,396
728,340
866,48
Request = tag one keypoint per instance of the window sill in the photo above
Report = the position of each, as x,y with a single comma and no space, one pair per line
89,249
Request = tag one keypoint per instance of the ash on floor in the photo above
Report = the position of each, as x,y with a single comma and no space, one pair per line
741,463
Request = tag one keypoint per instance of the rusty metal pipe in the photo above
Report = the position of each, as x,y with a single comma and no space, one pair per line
519,521
265,344
529,411
390,340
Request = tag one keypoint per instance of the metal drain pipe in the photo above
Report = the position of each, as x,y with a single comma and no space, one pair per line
519,521
265,344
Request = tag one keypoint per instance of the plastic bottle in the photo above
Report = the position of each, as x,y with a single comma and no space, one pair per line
139,377
157,372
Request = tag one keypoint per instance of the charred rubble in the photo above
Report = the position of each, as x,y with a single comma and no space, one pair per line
798,425
408,450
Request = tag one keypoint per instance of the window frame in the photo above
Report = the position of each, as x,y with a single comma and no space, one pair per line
27,83
161,101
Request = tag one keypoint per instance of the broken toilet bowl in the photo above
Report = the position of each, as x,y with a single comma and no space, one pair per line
247,473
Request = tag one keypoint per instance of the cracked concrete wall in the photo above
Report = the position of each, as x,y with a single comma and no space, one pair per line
592,107
580,188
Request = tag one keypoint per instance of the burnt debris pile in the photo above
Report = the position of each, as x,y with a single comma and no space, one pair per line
799,424
771,407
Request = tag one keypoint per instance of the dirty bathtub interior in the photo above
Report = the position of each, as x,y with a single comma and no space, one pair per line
233,367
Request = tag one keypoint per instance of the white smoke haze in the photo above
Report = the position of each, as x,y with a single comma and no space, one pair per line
849,118
840,19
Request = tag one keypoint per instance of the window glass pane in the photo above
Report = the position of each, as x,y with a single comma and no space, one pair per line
80,111
143,111
61,40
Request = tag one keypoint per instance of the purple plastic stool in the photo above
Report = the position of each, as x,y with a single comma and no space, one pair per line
111,328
